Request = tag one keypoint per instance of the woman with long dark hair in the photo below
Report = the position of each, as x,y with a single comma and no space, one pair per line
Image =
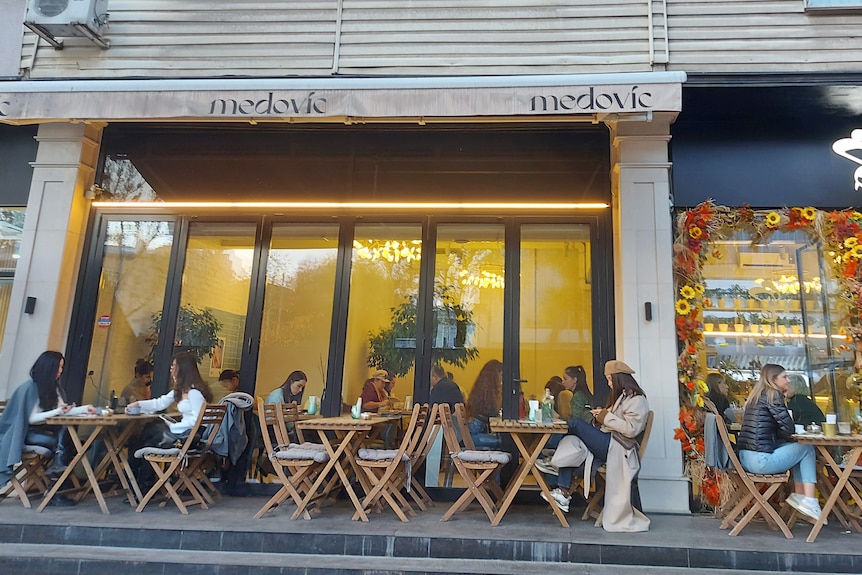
188,390
23,420
291,390
483,403
190,393
613,442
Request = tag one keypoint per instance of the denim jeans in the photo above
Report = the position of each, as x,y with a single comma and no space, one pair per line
596,440
481,438
800,459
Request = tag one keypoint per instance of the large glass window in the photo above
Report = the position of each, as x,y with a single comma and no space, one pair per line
215,291
469,280
297,313
381,321
11,228
134,273
555,303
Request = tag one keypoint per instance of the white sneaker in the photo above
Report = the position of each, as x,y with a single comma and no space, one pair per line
545,466
562,501
795,499
806,507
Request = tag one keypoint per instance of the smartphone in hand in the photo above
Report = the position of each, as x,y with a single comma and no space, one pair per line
167,418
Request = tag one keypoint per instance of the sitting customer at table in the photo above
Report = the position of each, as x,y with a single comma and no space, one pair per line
190,393
443,389
804,410
483,403
765,443
374,391
614,443
139,387
291,390
23,420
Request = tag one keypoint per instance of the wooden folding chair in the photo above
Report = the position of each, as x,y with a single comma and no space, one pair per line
28,476
594,505
390,470
175,461
476,467
419,454
296,465
748,486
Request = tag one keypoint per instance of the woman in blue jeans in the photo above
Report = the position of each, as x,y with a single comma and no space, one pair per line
765,444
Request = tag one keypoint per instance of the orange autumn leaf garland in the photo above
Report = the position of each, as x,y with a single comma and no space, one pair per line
840,233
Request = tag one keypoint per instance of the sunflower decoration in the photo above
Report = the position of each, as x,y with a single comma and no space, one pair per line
687,292
841,235
773,219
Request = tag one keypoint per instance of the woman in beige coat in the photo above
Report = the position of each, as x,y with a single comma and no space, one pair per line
614,443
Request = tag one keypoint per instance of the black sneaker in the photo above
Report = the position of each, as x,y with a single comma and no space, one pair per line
240,490
61,500
55,470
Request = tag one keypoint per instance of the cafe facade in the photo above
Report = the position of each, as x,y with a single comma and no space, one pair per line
336,187
336,226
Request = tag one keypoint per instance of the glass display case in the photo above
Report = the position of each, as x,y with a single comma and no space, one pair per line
776,302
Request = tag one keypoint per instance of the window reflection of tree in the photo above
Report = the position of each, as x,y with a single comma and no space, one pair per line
121,182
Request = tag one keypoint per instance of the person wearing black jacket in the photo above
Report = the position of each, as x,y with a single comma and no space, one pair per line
765,444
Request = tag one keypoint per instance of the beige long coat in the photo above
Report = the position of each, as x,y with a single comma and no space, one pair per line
628,416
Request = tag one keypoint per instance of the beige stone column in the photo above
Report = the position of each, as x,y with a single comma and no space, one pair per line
643,275
51,247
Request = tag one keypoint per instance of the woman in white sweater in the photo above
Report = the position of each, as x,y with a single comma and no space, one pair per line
190,393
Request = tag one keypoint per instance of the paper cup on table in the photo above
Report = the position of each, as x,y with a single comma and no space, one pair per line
831,418
312,404
798,429
408,402
829,429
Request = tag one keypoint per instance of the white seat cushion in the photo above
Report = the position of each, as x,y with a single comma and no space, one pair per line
38,450
477,456
301,453
381,454
157,451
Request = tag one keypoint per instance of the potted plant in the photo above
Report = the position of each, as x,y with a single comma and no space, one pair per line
393,347
710,321
197,332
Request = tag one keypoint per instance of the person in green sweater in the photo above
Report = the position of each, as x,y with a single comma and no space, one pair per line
804,410
575,380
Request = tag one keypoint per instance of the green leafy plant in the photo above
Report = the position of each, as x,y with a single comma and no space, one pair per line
197,332
393,347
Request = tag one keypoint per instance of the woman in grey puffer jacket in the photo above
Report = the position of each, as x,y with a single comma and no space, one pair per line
765,444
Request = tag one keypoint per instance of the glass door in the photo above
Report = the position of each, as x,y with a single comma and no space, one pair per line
830,357
298,306
214,298
555,303
134,264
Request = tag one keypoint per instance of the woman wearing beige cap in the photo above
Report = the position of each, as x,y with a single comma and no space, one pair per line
614,443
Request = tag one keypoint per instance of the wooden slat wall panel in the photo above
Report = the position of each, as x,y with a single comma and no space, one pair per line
194,38
471,37
761,36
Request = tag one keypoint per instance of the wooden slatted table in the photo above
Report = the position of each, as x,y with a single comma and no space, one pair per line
115,430
349,435
530,438
825,445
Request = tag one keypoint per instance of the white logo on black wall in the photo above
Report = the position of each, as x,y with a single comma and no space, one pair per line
844,147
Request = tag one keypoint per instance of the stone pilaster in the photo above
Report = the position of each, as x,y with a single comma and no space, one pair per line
643,275
51,247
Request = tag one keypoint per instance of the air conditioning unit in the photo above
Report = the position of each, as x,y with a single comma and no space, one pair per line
54,19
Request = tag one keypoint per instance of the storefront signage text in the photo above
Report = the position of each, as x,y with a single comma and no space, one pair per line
592,101
314,102
844,146
269,106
